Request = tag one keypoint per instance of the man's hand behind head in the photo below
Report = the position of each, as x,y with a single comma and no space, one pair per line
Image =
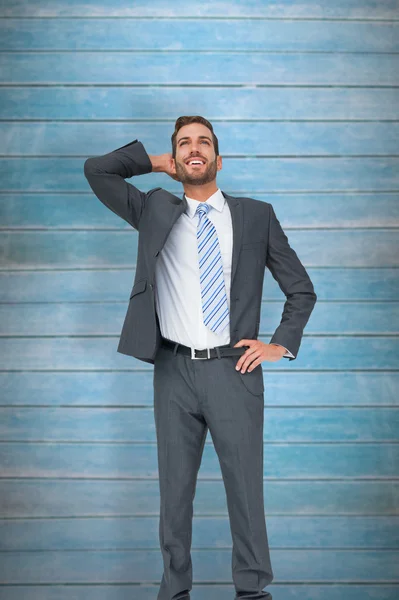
164,163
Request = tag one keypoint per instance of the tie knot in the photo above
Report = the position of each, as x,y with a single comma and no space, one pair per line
202,208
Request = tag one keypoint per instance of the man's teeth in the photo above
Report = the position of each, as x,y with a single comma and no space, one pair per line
195,162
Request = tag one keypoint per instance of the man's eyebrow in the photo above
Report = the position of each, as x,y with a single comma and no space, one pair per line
205,137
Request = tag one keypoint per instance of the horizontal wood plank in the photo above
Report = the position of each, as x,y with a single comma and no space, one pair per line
133,533
235,139
218,103
112,389
98,318
185,68
128,566
327,353
250,174
306,211
213,592
127,461
198,34
138,425
334,284
347,9
62,498
98,249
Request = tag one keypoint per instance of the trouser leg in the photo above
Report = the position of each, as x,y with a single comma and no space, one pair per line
235,417
181,431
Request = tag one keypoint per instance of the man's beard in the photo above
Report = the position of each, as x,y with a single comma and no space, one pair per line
209,174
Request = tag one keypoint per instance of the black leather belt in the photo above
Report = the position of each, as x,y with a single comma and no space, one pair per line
216,352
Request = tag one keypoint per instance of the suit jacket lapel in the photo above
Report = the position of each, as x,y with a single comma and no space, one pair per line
179,205
237,223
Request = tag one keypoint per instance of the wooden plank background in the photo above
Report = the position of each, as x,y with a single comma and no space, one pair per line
304,97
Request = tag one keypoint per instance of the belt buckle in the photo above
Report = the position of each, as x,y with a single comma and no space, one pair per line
208,351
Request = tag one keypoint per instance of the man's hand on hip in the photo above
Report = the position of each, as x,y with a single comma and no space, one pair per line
256,353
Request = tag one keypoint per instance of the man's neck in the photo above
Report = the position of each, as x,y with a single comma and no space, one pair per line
201,193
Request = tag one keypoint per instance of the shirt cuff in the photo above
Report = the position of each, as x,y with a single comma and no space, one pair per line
287,354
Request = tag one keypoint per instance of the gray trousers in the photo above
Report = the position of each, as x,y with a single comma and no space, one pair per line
190,397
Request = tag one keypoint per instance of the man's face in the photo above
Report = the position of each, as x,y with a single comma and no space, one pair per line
194,143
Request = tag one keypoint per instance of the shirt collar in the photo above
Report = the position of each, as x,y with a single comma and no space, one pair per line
217,201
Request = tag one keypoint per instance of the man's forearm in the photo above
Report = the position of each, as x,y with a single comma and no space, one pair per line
294,282
106,175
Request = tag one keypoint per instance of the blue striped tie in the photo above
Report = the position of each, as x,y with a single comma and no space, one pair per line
215,309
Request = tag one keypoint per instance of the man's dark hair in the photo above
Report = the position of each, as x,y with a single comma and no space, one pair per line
181,121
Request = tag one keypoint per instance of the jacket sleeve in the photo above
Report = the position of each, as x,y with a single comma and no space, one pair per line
294,282
106,175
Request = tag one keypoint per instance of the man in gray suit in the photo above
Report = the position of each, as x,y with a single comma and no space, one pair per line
194,313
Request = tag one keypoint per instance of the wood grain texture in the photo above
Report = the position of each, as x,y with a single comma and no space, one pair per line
127,425
127,566
236,139
211,592
333,284
362,248
104,318
127,461
133,533
219,103
185,68
320,9
238,175
189,35
57,211
88,497
108,388
98,352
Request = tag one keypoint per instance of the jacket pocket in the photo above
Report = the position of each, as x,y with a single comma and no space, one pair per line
138,287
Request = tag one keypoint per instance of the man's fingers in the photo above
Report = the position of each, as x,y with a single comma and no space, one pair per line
246,358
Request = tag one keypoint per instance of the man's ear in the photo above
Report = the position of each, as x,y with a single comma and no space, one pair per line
219,163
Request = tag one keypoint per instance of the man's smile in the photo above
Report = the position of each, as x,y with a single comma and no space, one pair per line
195,162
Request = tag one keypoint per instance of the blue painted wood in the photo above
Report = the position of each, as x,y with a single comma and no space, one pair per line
350,9
126,425
103,285
88,497
307,211
324,353
133,533
332,179
95,318
217,102
116,461
333,566
184,68
98,249
112,388
154,34
246,139
242,176
211,592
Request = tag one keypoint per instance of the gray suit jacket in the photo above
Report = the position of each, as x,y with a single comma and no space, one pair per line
258,241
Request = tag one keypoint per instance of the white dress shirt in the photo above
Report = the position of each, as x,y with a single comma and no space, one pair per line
177,280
